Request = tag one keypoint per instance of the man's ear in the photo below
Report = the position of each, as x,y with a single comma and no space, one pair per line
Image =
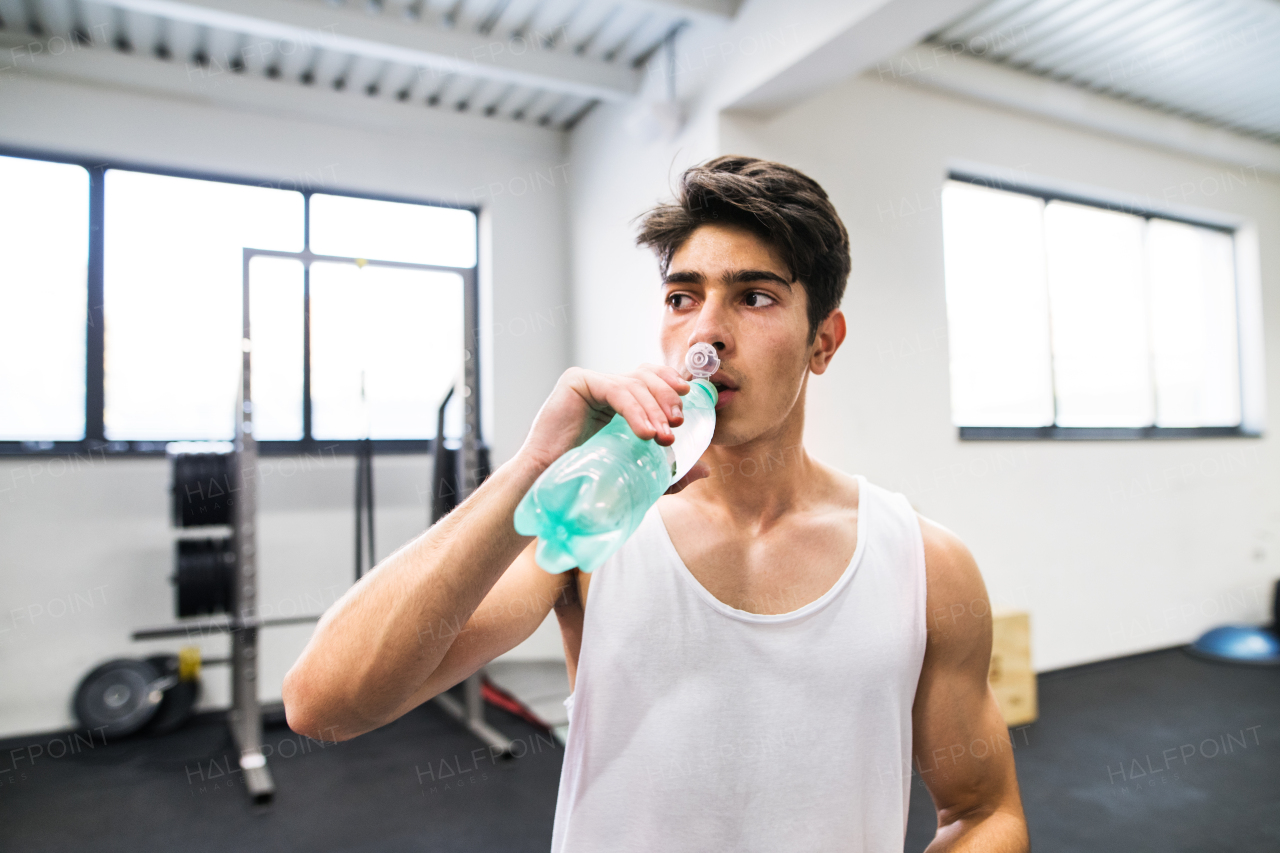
830,335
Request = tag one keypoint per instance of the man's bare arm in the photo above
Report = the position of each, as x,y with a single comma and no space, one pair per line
961,744
411,628
382,641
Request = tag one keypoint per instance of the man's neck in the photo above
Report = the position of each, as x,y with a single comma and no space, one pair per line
755,484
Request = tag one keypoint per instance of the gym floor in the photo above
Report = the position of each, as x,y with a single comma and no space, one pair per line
1155,752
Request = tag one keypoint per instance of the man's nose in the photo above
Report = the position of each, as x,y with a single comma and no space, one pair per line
714,326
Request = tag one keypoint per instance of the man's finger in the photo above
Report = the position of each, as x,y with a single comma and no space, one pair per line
697,472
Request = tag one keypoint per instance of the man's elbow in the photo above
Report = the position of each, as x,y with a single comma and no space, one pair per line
1009,829
305,713
995,827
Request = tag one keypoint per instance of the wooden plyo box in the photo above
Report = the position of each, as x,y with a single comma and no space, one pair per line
1012,680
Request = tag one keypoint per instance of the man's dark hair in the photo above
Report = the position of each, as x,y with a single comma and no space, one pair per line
781,205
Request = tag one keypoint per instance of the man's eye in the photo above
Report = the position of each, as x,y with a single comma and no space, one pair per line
761,293
676,296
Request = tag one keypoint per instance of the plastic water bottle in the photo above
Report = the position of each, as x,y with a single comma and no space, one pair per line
591,499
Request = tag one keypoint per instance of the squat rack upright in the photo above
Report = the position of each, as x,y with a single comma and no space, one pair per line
245,715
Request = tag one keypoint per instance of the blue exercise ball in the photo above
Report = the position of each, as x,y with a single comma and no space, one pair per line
1239,644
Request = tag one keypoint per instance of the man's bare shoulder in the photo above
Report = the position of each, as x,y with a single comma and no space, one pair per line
958,608
944,550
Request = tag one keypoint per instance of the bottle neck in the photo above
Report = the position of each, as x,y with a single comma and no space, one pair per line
710,389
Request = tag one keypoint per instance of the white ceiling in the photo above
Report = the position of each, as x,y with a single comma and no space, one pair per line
1213,61
543,62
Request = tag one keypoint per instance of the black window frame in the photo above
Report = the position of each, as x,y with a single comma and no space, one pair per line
95,444
1059,433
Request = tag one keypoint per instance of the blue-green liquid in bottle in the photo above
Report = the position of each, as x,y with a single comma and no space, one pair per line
591,499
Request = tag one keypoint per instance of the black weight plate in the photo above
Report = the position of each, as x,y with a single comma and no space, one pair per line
177,706
115,698
204,577
179,701
164,664
202,489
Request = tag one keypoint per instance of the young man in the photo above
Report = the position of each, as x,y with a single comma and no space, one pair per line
756,667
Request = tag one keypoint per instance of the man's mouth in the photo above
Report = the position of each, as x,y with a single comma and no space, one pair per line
722,382
726,389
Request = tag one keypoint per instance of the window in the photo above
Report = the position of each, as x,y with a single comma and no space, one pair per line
343,348
171,299
277,306
44,244
1075,320
370,330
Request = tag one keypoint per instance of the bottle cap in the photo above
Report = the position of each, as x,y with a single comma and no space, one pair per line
702,361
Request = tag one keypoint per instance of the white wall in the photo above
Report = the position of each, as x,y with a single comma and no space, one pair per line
621,175
1114,547
86,548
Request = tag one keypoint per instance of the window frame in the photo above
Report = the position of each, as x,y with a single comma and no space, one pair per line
1059,433
95,444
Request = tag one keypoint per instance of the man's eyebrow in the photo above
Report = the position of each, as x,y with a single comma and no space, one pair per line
736,277
740,276
684,277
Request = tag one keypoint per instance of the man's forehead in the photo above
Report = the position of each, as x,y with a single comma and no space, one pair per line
724,252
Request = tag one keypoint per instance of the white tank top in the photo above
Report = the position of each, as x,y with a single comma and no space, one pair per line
695,726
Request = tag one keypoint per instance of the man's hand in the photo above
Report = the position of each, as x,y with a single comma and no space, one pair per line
961,744
584,401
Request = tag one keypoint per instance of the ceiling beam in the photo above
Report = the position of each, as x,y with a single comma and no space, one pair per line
872,30
695,11
346,31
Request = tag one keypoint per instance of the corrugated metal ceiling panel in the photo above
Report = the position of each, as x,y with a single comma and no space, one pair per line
1214,61
591,32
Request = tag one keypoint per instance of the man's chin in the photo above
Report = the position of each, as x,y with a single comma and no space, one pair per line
726,437
724,398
